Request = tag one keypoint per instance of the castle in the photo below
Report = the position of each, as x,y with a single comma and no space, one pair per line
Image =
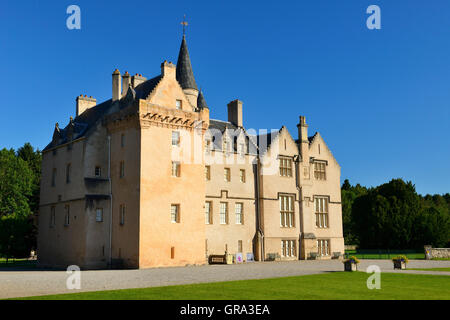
147,179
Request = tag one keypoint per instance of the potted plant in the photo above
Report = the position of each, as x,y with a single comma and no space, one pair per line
351,264
400,262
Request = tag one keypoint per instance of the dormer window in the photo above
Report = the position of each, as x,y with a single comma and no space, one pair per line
178,104
98,171
225,144
208,146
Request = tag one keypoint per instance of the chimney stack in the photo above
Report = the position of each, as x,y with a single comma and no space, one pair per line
137,79
126,83
168,69
84,103
235,113
116,85
303,138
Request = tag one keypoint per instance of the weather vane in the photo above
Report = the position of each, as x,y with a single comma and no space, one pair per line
184,23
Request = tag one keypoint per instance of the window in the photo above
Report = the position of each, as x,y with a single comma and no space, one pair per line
122,169
54,177
98,171
67,215
99,215
239,214
242,175
241,149
175,169
239,246
287,211
207,173
319,171
323,247
175,213
225,144
68,172
227,174
175,138
288,248
122,140
208,215
52,216
285,167
223,213
122,214
321,209
208,146
178,104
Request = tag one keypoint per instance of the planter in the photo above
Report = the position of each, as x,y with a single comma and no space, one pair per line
312,256
350,266
399,264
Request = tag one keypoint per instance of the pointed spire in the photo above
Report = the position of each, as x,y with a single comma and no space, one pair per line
201,102
185,75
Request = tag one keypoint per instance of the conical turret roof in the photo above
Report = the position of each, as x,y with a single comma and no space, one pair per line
185,75
201,102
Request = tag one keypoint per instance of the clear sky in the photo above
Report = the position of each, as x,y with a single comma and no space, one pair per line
380,98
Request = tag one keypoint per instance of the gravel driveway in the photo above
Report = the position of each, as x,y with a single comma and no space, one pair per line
33,283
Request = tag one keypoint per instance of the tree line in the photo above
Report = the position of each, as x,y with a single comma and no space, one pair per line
394,216
20,175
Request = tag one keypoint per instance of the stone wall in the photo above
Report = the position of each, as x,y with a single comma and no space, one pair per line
431,253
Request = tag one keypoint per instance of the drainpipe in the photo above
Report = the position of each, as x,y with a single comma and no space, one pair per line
300,200
258,209
111,201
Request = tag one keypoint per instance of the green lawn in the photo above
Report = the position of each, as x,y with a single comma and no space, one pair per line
431,269
335,285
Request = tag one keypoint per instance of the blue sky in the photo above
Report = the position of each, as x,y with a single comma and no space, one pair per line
380,98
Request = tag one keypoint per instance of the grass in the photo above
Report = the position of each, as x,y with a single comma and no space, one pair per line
431,269
335,285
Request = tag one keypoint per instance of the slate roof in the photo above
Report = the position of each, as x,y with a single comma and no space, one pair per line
145,88
201,102
221,125
265,140
89,118
185,75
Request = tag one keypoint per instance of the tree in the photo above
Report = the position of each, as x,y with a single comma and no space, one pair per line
16,186
33,159
394,216
349,194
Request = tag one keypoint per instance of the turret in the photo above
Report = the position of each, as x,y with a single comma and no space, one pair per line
185,75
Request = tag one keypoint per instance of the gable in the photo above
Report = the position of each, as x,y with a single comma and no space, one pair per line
167,92
319,150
